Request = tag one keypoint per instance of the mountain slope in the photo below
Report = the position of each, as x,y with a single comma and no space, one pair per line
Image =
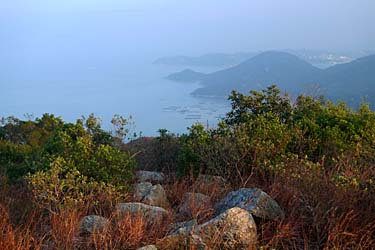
286,70
351,81
186,75
208,60
348,82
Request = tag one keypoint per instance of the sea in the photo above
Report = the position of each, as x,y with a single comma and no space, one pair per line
135,88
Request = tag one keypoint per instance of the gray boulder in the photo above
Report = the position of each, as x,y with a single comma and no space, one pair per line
255,201
142,189
151,213
150,176
93,223
185,226
233,229
149,247
194,202
153,195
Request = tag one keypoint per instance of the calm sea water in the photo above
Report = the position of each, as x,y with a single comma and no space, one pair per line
139,89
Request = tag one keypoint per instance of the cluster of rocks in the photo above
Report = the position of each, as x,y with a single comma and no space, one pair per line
232,227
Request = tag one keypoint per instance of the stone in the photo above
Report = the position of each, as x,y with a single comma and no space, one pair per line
93,223
255,201
185,226
193,203
152,213
141,190
153,195
149,247
150,176
233,229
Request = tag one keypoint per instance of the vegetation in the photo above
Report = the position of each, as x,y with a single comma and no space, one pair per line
316,158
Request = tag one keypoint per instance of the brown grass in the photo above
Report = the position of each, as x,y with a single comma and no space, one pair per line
319,215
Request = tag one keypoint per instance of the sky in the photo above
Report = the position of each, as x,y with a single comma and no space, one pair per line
42,28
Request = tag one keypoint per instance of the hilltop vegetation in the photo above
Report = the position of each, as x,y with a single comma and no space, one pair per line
316,158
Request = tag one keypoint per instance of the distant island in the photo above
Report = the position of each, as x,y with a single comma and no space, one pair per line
186,75
208,60
319,58
347,81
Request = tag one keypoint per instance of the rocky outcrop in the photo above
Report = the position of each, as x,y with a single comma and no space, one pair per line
150,176
93,223
233,229
253,200
151,213
149,247
153,195
193,203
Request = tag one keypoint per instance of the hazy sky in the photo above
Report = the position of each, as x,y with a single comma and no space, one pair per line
45,28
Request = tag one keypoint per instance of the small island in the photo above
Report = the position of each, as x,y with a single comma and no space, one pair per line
186,75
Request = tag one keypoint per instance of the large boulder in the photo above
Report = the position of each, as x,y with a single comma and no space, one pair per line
153,195
93,223
151,213
193,203
233,229
149,247
255,201
150,176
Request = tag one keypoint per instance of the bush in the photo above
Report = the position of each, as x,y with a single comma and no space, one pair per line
265,128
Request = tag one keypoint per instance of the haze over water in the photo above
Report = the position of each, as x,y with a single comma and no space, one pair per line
79,57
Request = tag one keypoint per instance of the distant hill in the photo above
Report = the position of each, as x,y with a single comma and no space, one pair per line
286,70
351,81
348,82
186,75
318,58
208,60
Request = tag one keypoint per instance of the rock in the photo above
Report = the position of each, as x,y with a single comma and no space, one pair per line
233,229
152,213
141,190
185,226
150,176
93,223
255,201
149,247
193,203
153,195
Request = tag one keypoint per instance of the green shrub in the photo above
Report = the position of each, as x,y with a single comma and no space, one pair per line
265,129
27,147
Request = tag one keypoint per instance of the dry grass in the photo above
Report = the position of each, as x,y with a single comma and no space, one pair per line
319,215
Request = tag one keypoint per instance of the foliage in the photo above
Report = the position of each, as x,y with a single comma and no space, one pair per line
65,163
64,186
265,129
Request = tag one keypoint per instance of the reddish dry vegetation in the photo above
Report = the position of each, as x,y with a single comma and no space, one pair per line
319,215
